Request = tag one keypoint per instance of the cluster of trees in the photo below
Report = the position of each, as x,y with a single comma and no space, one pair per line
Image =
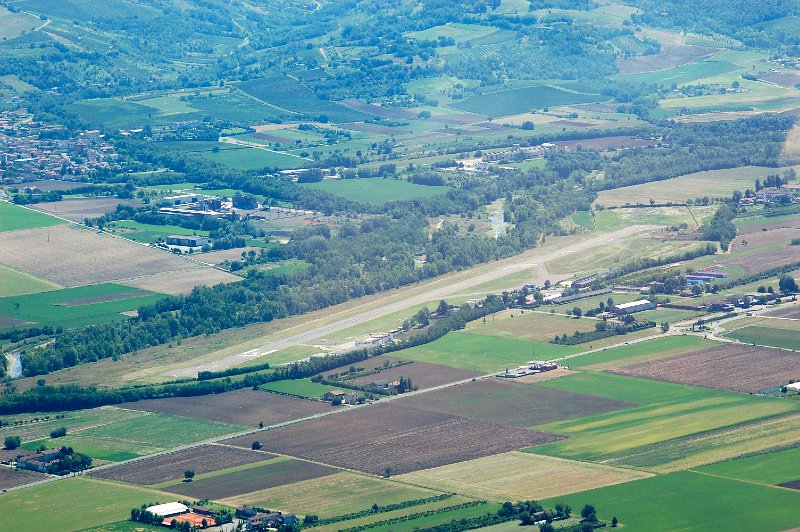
721,227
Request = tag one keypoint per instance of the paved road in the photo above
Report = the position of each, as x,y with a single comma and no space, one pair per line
419,296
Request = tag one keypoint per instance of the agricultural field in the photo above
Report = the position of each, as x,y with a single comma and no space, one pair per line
16,283
712,183
249,158
536,325
14,24
138,436
667,411
115,113
72,256
484,353
640,505
739,368
618,357
331,495
775,468
171,466
298,387
783,333
291,95
422,374
511,403
757,239
522,100
389,435
244,407
74,307
182,281
718,445
15,218
683,74
110,502
376,191
790,312
31,427
11,478
517,476
78,210
273,473
149,233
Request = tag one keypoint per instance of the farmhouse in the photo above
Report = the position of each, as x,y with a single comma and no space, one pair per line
271,520
188,241
349,398
41,461
634,306
169,509
375,340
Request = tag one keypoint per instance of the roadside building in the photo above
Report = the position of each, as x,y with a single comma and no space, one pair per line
375,340
634,306
188,241
349,398
182,199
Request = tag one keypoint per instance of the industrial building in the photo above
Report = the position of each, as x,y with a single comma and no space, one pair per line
634,306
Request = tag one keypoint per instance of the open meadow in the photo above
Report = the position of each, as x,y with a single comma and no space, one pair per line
15,218
517,476
332,495
735,505
621,356
376,191
138,436
16,283
783,333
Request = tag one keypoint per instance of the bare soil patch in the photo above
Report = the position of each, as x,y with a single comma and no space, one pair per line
671,55
784,79
389,435
764,238
73,256
738,368
513,404
765,260
750,229
11,478
786,311
48,185
243,407
793,485
377,110
181,282
249,480
7,323
76,210
171,466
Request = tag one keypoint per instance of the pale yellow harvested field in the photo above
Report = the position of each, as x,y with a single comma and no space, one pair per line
74,256
181,282
520,476
331,495
215,257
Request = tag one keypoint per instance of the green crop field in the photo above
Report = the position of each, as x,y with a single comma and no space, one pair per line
377,191
769,468
14,218
774,336
299,387
76,307
82,503
459,32
640,352
684,73
116,113
522,100
695,502
287,93
667,412
241,158
139,436
235,106
422,523
15,283
31,427
150,233
485,353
